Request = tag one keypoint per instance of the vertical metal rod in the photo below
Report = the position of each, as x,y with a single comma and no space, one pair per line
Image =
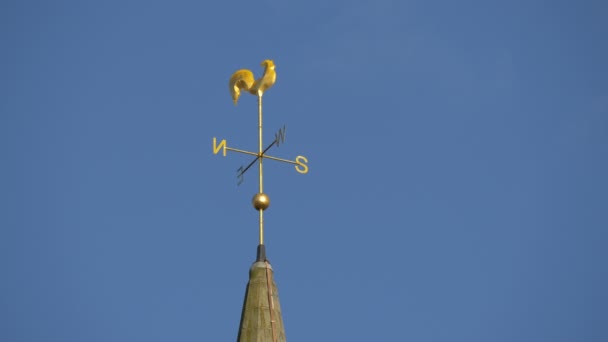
260,151
261,227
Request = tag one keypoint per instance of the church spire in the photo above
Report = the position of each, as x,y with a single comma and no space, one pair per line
261,319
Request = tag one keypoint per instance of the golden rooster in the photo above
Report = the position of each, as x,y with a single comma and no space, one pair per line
243,79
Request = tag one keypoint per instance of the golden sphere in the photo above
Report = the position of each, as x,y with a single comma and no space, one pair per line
260,201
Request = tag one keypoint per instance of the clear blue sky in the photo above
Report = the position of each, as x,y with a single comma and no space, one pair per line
458,155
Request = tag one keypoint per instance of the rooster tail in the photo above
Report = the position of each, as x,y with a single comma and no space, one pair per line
242,79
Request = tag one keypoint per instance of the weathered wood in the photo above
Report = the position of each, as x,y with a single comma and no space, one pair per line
255,318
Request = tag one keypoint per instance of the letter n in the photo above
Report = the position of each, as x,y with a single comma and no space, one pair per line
216,147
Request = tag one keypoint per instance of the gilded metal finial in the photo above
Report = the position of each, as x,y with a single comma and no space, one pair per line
243,80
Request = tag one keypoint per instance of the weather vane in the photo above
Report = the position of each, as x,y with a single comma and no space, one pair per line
244,80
